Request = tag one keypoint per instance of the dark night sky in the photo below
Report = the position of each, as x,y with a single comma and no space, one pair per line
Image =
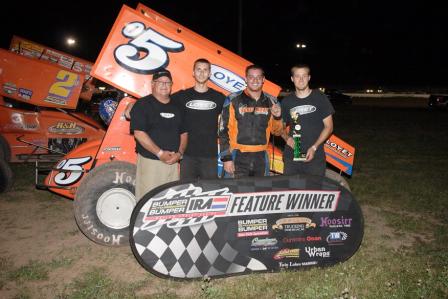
351,44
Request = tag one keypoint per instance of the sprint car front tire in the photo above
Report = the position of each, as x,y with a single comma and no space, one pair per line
5,151
104,202
5,176
333,175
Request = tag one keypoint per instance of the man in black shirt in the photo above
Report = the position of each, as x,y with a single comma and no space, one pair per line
201,106
160,136
310,112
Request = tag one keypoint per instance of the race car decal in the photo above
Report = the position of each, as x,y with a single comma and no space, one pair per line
71,171
146,40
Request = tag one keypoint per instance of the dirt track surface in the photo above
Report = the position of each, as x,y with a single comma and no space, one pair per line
39,228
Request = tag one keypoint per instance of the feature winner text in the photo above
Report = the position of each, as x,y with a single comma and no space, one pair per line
283,202
236,204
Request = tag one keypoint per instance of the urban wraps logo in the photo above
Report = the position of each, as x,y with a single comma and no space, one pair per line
191,205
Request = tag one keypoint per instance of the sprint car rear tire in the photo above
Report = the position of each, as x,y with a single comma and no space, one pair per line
333,175
5,176
104,202
5,151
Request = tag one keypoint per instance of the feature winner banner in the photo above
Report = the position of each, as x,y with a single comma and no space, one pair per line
229,227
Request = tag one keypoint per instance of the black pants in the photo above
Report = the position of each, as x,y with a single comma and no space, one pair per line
315,167
198,167
250,164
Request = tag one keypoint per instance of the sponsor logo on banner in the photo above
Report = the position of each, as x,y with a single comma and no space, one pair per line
336,238
66,127
301,239
287,253
191,205
264,242
25,94
296,264
201,105
317,251
226,79
252,227
258,244
293,224
335,222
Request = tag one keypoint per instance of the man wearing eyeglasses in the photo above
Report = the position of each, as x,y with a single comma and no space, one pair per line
248,119
160,135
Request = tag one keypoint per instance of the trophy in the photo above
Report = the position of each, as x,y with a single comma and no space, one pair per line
296,136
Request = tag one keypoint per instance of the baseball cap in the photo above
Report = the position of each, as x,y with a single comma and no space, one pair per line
161,73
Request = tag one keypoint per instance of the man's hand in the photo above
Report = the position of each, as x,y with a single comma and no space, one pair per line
310,154
229,167
127,111
168,157
176,156
276,110
290,142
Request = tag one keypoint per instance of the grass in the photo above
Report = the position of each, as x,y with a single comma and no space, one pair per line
34,270
400,181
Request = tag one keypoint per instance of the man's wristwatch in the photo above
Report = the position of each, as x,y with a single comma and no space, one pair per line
226,158
181,155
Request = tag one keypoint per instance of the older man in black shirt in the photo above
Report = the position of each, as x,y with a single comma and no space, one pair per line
160,135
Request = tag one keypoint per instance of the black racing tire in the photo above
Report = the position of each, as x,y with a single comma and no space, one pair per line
5,176
104,202
5,151
333,175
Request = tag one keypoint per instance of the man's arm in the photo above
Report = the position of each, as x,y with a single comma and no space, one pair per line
278,129
224,137
183,143
326,132
182,147
285,136
144,140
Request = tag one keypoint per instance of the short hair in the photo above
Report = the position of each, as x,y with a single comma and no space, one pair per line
201,60
254,67
300,66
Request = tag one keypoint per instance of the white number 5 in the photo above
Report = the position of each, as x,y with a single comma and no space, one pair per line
72,171
147,41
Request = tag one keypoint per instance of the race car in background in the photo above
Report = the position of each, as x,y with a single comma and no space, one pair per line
40,89
100,174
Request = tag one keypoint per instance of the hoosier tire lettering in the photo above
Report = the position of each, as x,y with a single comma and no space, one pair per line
104,202
113,239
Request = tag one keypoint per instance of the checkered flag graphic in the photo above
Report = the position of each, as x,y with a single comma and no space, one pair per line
191,251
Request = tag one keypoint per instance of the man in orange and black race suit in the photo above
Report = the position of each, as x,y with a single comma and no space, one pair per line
247,120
